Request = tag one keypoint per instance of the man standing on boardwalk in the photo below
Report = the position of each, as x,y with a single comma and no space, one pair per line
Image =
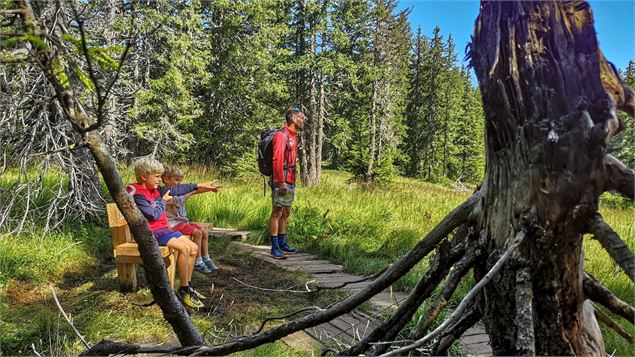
285,154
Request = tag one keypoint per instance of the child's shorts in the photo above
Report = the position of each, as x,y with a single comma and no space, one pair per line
163,236
186,228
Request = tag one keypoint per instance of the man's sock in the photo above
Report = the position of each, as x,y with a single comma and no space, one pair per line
274,243
282,239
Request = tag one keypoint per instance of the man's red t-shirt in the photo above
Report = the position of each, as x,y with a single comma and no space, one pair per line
285,151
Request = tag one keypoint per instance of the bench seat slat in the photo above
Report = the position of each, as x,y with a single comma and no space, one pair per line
132,250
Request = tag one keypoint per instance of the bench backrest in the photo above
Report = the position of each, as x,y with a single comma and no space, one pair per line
118,225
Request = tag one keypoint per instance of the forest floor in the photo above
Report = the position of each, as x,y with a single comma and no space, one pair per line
31,322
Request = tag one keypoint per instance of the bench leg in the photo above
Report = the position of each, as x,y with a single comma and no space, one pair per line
170,262
127,274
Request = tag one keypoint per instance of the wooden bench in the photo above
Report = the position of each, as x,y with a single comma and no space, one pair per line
126,252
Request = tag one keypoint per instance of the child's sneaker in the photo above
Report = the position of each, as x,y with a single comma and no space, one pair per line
188,300
210,263
277,254
202,268
196,294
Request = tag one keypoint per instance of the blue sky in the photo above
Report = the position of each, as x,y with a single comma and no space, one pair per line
614,24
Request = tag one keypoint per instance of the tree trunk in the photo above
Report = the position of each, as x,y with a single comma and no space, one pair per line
373,134
548,118
155,271
312,168
320,124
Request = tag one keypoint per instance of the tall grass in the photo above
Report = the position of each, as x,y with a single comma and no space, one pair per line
363,228
366,229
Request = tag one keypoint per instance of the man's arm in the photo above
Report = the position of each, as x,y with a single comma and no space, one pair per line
279,145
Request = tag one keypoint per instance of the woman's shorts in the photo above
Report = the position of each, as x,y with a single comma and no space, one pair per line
163,236
186,228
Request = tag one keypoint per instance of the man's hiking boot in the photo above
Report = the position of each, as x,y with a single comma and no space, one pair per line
188,300
210,264
277,254
202,268
287,250
284,247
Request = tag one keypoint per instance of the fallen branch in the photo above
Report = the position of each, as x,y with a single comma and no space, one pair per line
468,320
619,177
612,324
59,306
461,268
336,287
614,245
107,347
598,293
466,301
458,216
273,290
390,328
310,308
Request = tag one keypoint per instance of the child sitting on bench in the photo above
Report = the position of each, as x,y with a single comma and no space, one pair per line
152,200
177,219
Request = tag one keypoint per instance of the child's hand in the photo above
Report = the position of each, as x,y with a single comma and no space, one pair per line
207,186
166,196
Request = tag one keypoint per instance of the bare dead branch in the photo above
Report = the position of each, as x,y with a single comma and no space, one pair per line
390,328
461,268
91,73
458,216
614,245
59,306
65,148
11,11
310,308
612,324
471,317
337,287
520,236
272,290
600,294
107,347
619,177
525,342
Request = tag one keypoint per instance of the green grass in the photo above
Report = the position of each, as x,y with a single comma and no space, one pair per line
363,228
79,265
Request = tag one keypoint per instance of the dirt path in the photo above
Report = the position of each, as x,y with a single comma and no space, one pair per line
350,328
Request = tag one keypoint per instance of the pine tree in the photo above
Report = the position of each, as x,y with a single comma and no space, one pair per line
624,143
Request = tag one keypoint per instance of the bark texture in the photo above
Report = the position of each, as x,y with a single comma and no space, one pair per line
550,102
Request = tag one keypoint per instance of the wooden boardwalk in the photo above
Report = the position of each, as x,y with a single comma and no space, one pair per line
350,328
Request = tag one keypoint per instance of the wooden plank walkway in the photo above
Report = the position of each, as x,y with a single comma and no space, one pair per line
350,328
